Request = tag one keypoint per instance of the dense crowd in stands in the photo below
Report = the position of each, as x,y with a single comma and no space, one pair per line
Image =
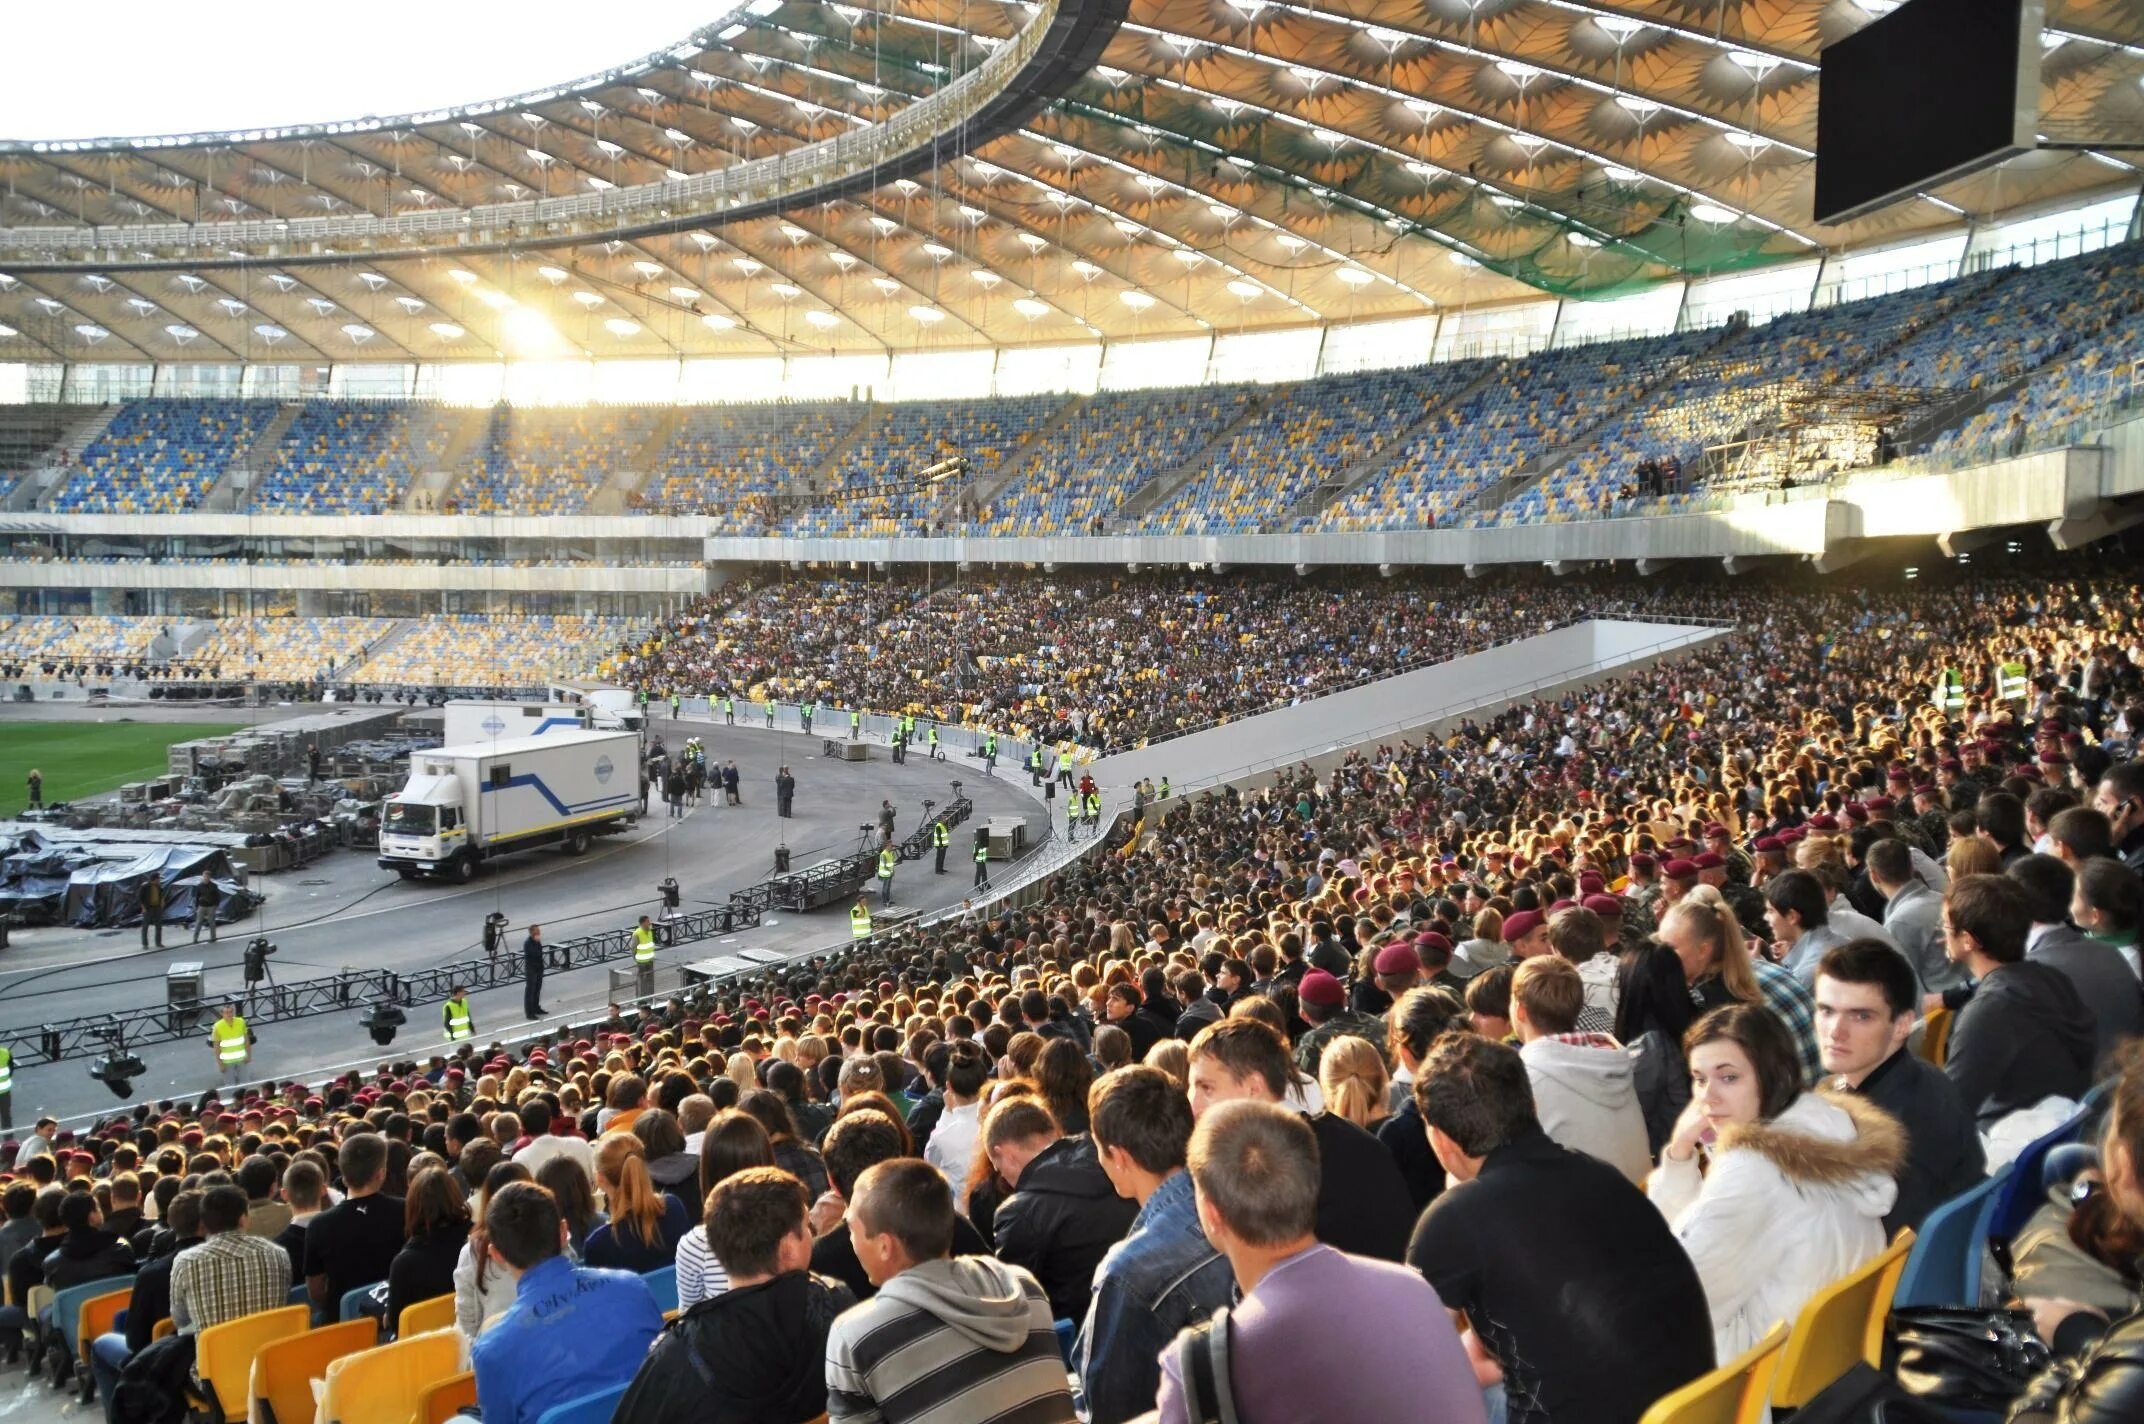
1982,365
1606,1022
1102,659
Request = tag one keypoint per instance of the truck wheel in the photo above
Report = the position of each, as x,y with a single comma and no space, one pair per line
577,843
464,869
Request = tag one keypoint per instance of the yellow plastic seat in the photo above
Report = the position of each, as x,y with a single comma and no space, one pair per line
164,1327
1842,1323
283,1372
1732,1394
223,1354
98,1315
1935,1036
447,1398
384,1385
426,1316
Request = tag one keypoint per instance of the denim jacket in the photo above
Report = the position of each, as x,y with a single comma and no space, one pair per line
1163,1276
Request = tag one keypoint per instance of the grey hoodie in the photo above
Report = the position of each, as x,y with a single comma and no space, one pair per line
1586,1095
949,1340
980,1297
1474,956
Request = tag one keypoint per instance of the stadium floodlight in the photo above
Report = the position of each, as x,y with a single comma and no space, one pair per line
621,327
1355,277
821,318
447,331
929,316
1135,299
1244,289
716,321
1030,308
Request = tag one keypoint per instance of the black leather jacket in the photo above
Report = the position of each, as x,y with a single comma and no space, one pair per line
2104,1385
751,1356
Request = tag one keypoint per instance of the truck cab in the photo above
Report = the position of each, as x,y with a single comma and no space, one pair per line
424,826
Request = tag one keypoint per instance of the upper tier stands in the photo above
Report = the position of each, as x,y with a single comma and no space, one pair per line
728,460
1452,442
1304,436
158,457
910,436
548,461
1085,467
351,457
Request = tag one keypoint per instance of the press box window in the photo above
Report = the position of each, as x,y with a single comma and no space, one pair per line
501,774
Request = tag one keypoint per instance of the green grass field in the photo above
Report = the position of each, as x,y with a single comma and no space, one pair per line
84,758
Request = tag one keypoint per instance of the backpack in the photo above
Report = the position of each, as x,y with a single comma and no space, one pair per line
1202,1362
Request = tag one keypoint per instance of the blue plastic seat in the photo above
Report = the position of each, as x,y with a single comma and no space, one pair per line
595,1408
662,1284
353,1301
1944,1266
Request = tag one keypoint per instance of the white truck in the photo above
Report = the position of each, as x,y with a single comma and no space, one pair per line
467,723
609,706
466,804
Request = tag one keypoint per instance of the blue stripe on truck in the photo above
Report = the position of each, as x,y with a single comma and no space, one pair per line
563,809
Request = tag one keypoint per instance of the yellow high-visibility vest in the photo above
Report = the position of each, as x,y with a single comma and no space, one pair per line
940,835
644,945
859,923
7,1071
886,859
230,1037
459,1024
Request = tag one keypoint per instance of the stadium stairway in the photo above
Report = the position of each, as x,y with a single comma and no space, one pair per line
1031,446
432,488
357,661
234,487
1304,513
1498,492
92,423
822,475
1148,496
614,493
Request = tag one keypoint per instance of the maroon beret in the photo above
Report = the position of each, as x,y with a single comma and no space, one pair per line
1321,989
1680,870
1396,958
1518,924
1607,905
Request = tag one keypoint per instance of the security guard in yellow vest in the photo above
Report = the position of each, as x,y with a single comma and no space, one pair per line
856,723
644,956
860,919
7,1089
982,860
887,857
455,1015
936,755
940,839
228,1039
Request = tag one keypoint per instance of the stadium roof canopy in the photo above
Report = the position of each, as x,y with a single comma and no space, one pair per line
802,176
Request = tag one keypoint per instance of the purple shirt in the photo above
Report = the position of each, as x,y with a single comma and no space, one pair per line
1402,1358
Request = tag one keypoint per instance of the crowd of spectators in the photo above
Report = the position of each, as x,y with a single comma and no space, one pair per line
1101,659
1591,1020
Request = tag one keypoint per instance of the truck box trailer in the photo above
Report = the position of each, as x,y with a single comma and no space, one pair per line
468,723
467,804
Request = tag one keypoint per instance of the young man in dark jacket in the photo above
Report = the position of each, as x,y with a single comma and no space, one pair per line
87,1252
1865,1001
2025,1034
1063,1214
755,1354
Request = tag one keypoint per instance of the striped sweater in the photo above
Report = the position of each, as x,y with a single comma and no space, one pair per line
965,1340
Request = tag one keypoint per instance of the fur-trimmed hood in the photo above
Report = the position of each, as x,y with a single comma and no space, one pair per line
1826,1139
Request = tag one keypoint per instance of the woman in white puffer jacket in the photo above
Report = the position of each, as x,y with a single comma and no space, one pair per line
1793,1186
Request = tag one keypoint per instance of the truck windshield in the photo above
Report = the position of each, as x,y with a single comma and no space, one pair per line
402,819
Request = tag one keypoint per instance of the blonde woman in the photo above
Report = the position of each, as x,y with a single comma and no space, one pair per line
1705,936
1352,1075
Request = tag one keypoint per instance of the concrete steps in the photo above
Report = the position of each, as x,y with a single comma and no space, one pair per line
1349,478
431,489
1149,496
233,489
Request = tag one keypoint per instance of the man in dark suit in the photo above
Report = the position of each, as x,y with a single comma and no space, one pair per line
2098,971
532,973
